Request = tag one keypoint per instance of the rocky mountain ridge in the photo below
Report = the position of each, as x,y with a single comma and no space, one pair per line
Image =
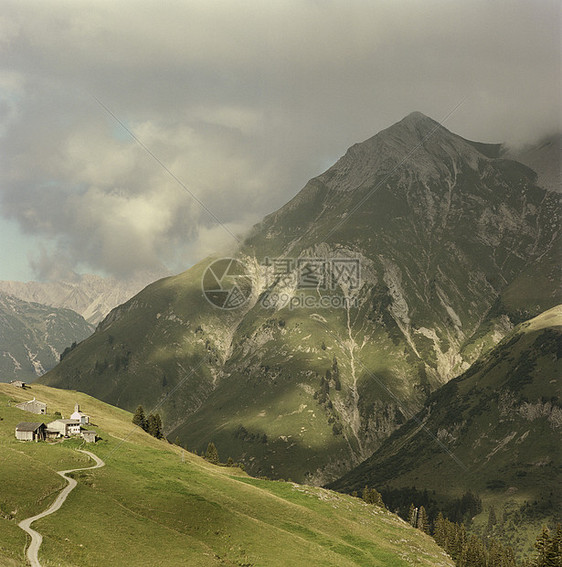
455,246
89,295
33,336
495,431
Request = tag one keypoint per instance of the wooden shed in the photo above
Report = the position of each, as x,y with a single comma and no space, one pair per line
27,431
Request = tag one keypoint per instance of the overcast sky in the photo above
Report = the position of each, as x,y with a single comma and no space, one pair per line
242,101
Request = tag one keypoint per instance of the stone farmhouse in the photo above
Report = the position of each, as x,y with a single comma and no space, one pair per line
18,384
89,436
63,428
26,431
33,406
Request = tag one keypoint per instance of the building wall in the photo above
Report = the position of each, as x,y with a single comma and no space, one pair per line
24,435
82,418
65,428
55,426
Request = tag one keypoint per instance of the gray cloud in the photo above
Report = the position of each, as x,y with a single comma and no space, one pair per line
243,101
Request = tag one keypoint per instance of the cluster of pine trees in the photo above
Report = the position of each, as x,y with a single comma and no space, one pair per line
473,551
470,551
151,424
372,496
549,549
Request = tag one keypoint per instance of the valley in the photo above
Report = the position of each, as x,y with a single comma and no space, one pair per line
493,431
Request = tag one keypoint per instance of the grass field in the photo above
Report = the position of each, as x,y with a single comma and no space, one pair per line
154,504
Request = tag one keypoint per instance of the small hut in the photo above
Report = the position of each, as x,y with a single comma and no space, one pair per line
26,431
89,436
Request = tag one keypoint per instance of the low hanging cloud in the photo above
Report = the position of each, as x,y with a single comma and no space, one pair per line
242,103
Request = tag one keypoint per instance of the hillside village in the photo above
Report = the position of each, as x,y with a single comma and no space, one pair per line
60,428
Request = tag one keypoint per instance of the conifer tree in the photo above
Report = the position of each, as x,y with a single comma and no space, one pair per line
549,548
154,425
474,553
458,541
440,531
541,545
492,521
212,454
423,520
413,516
139,418
556,545
500,555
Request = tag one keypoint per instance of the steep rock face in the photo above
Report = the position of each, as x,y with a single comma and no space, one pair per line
449,239
495,430
32,337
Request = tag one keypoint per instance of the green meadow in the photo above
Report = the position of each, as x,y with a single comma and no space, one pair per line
154,504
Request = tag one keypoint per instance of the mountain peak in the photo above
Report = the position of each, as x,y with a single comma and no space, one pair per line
416,117
416,143
417,125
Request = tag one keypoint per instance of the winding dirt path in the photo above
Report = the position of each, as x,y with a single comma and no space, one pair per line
36,537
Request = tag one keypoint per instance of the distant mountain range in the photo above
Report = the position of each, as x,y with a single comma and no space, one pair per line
384,278
32,337
91,296
495,430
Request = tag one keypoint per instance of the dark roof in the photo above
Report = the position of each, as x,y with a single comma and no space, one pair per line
28,426
89,433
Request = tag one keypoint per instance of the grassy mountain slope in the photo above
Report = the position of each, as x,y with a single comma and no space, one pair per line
153,504
449,238
502,420
32,337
